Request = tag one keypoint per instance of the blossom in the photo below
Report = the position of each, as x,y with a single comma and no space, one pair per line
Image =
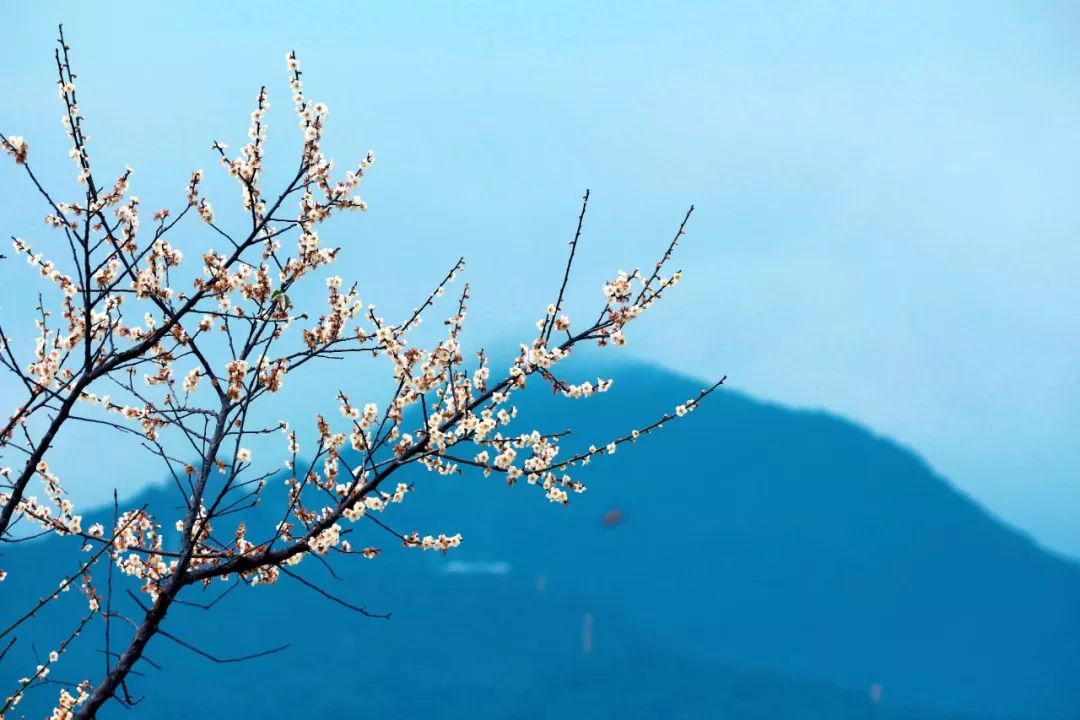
16,146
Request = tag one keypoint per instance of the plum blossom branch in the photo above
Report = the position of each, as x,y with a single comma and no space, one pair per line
179,335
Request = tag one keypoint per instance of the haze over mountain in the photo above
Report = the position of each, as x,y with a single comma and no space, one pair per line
765,563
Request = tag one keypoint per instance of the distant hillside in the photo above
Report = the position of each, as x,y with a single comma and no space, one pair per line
756,545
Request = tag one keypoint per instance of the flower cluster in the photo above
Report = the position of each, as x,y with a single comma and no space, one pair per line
16,147
429,542
68,703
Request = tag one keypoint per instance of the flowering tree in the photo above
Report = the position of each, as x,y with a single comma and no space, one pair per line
181,355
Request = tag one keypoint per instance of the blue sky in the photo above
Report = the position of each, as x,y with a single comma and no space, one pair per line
887,223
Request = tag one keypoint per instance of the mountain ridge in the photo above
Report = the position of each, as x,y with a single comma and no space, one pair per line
785,542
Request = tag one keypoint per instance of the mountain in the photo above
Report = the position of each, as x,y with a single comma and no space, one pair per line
767,563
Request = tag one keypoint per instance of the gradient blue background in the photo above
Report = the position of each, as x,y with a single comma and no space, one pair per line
887,224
